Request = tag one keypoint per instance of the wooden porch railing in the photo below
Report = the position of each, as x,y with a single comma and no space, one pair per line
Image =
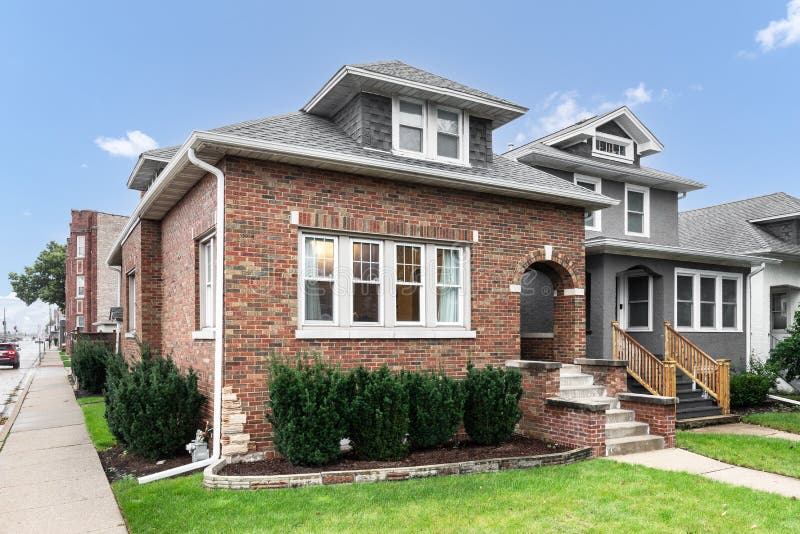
657,376
714,376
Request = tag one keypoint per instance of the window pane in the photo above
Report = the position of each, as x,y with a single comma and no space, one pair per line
447,266
729,315
410,139
638,288
366,261
638,315
636,201
778,321
636,223
708,289
588,219
587,185
447,145
447,304
409,264
685,288
366,299
319,258
447,122
319,300
729,291
407,304
410,114
685,314
779,315
707,312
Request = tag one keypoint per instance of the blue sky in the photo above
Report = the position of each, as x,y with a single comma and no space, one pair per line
717,82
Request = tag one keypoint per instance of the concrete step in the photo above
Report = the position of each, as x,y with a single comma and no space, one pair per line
615,415
698,411
613,401
633,444
607,403
627,429
582,392
577,379
568,369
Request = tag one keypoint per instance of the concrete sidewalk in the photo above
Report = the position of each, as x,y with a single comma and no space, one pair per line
744,429
689,462
51,479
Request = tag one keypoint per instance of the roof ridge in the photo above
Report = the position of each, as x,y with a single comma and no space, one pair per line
777,193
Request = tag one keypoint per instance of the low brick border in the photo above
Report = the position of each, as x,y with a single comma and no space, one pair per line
213,480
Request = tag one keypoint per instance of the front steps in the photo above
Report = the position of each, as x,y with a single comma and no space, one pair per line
624,435
693,402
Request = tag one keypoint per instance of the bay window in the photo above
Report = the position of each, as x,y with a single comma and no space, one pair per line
707,300
386,289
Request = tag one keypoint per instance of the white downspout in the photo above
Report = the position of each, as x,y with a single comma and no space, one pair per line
749,314
219,279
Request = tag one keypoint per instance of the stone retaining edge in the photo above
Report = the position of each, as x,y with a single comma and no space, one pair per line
213,480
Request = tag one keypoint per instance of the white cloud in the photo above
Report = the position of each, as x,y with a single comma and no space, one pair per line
566,111
782,32
638,95
84,165
133,144
28,319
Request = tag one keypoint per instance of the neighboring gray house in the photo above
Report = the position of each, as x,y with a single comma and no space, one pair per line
767,226
640,271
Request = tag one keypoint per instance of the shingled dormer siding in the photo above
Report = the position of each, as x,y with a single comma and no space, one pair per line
367,118
480,141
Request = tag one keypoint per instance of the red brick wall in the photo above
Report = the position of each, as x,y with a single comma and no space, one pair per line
84,222
536,348
660,417
142,251
262,258
606,373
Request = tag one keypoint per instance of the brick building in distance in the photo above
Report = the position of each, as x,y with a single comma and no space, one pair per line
92,287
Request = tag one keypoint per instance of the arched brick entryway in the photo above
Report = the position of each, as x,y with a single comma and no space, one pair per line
549,282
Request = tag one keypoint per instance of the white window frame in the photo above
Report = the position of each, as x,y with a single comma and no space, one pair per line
130,280
784,311
79,267
380,283
616,140
343,326
207,281
80,285
598,188
422,284
430,132
78,306
80,246
622,297
719,276
80,322
646,207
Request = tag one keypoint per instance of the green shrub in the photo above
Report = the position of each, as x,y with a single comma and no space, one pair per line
152,407
435,408
491,407
308,413
378,414
89,361
785,357
753,386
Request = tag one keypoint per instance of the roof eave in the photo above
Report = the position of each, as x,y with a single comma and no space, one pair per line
643,249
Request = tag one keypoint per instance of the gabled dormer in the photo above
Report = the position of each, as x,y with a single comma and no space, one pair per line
617,135
394,107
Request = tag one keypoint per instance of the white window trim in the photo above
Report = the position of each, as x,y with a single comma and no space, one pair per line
436,286
207,323
80,246
342,327
646,216
609,138
598,183
423,284
380,283
131,309
79,306
622,297
720,276
430,131
80,288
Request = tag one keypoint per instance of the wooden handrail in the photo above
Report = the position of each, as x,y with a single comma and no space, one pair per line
657,377
710,374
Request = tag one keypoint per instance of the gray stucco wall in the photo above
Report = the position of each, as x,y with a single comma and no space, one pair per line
604,269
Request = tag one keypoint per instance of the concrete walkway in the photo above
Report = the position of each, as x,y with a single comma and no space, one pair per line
744,429
51,479
689,462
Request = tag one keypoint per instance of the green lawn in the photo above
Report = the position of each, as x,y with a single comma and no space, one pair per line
594,496
94,409
765,454
65,359
788,422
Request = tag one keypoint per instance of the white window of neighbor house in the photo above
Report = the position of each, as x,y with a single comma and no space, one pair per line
79,306
79,321
637,211
131,278
80,285
684,311
708,300
778,311
367,281
80,246
207,293
319,280
592,218
639,303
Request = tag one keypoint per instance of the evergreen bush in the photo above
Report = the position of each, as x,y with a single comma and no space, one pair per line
89,361
435,408
378,414
491,407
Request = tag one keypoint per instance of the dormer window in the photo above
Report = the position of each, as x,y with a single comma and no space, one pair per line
612,147
428,130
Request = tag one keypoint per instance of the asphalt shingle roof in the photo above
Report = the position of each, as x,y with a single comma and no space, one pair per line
164,152
398,69
725,227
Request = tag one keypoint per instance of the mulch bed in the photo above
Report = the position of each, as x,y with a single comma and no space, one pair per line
119,464
769,406
455,452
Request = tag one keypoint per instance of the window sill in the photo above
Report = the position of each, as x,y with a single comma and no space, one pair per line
204,334
334,332
709,330
130,335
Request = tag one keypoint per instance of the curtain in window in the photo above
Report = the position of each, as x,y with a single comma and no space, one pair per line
449,281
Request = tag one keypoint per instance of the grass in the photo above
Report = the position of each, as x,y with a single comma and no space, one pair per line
774,455
94,410
594,496
786,421
65,359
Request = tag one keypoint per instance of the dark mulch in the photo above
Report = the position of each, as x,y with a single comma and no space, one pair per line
455,452
769,406
118,463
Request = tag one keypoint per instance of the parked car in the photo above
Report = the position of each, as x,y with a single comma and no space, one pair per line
9,355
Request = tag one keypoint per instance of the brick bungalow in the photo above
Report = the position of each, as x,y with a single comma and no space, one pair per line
374,226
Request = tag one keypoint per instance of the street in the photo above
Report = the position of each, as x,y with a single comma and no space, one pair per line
11,378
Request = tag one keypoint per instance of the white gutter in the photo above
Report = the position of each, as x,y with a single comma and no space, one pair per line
219,280
181,469
612,245
749,314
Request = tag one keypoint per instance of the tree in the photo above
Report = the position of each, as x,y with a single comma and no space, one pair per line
785,357
45,279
